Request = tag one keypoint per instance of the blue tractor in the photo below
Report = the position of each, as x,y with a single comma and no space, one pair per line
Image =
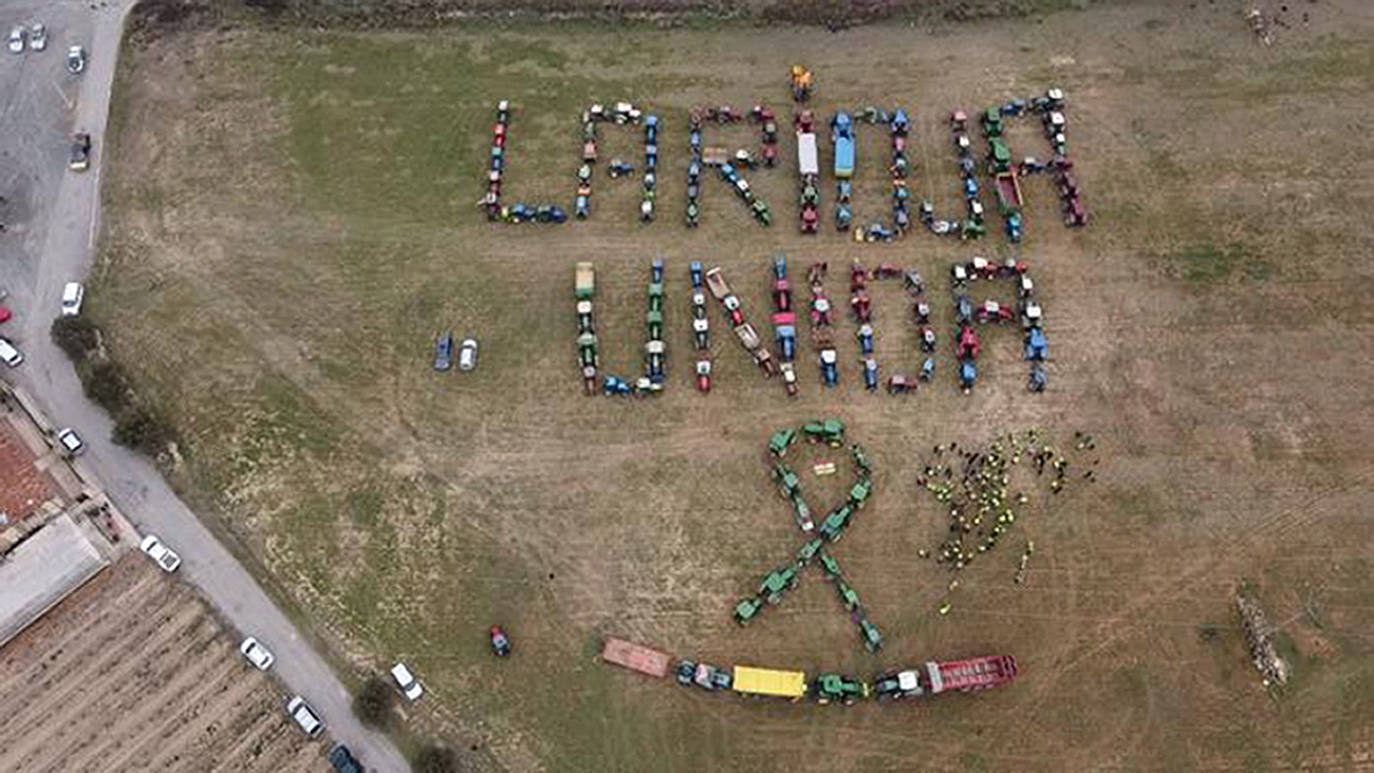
830,373
968,375
1038,378
871,374
1037,346
865,339
695,270
1014,227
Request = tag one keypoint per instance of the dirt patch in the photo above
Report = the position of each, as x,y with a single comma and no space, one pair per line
131,672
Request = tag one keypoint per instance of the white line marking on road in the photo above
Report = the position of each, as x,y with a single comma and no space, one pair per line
62,94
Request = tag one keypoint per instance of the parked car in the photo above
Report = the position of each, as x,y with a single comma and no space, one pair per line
70,441
164,556
38,37
76,59
343,760
16,42
73,293
410,687
257,654
10,355
443,351
305,716
79,159
467,354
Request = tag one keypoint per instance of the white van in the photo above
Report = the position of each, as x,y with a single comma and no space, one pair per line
410,686
305,716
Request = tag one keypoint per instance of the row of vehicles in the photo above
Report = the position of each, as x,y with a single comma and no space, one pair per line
924,680
35,38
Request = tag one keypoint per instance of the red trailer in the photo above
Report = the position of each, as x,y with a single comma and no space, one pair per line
636,657
934,678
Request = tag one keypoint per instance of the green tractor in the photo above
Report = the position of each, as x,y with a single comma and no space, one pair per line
808,552
873,641
789,485
655,320
801,511
776,584
856,452
860,493
999,156
780,441
746,610
831,567
761,213
841,689
656,296
992,122
833,527
830,432
848,596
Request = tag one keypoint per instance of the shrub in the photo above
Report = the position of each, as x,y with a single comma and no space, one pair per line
437,759
141,429
373,702
104,382
77,336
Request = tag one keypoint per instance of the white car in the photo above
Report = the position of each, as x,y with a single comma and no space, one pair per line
72,296
76,59
410,687
160,553
305,716
17,40
10,355
71,442
38,37
257,654
467,354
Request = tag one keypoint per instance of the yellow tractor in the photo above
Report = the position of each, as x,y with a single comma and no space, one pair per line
801,83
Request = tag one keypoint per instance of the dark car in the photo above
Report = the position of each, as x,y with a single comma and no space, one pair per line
343,760
80,157
443,351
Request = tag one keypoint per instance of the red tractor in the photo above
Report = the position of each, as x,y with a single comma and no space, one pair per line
968,344
860,304
805,122
994,312
810,219
886,271
703,376
858,277
782,295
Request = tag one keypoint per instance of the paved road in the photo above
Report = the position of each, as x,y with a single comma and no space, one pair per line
51,216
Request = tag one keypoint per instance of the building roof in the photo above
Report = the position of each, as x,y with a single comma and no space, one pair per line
54,561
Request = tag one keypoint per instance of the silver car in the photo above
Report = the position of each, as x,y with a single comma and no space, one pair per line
467,354
17,40
38,37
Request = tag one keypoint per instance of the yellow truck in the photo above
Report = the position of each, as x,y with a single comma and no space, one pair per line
769,682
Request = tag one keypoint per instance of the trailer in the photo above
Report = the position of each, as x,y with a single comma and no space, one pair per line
956,675
585,281
808,158
769,682
715,282
635,657
1008,191
842,133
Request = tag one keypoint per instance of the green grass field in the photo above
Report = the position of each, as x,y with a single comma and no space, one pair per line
290,219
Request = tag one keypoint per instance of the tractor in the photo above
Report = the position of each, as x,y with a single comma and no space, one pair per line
788,482
900,385
865,336
848,596
834,525
968,348
831,567
928,369
856,452
873,640
781,440
801,83
777,583
830,374
701,329
802,512
808,552
830,432
861,305
1037,346
584,317
837,688
746,610
968,375
703,375
709,677
844,217
927,339
686,669
1038,378
886,271
761,213
871,374
500,643
992,122
922,312
859,494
